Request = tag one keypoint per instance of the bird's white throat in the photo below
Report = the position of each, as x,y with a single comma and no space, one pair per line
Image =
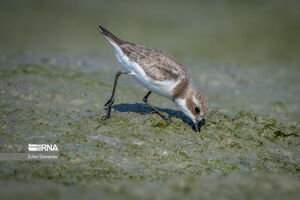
183,107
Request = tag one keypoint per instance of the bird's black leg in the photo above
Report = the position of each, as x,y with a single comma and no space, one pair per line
110,102
145,99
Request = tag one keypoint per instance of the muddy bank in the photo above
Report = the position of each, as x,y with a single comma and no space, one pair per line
135,152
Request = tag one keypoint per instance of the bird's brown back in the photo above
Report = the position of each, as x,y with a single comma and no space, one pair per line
157,64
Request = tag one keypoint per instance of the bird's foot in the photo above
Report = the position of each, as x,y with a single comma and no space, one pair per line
108,106
167,118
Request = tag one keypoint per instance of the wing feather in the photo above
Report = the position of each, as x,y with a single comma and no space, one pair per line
156,64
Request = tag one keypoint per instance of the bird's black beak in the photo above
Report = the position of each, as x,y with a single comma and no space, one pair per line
199,124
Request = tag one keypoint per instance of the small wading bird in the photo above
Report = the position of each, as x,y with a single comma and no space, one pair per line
159,73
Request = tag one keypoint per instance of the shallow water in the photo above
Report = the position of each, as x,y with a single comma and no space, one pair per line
52,91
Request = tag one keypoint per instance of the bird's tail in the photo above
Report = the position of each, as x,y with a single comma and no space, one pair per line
108,35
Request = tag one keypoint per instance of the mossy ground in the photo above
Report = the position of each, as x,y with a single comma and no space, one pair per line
135,153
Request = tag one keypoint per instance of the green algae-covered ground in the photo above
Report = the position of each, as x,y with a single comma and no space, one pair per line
56,74
135,154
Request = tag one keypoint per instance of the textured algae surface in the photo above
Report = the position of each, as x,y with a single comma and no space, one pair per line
56,74
135,154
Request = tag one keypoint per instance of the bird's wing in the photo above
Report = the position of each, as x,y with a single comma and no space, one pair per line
156,64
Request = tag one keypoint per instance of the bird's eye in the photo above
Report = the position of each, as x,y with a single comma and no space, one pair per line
197,110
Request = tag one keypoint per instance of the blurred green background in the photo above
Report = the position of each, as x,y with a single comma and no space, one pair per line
229,31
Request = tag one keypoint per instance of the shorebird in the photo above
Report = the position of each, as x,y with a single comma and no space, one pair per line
160,73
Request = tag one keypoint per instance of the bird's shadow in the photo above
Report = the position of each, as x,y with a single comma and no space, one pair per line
145,109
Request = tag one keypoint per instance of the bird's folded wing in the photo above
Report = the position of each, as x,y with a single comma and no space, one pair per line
156,64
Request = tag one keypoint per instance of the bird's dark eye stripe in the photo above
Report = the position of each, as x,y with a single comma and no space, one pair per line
197,110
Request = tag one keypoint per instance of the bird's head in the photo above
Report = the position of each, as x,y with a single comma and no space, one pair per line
194,106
